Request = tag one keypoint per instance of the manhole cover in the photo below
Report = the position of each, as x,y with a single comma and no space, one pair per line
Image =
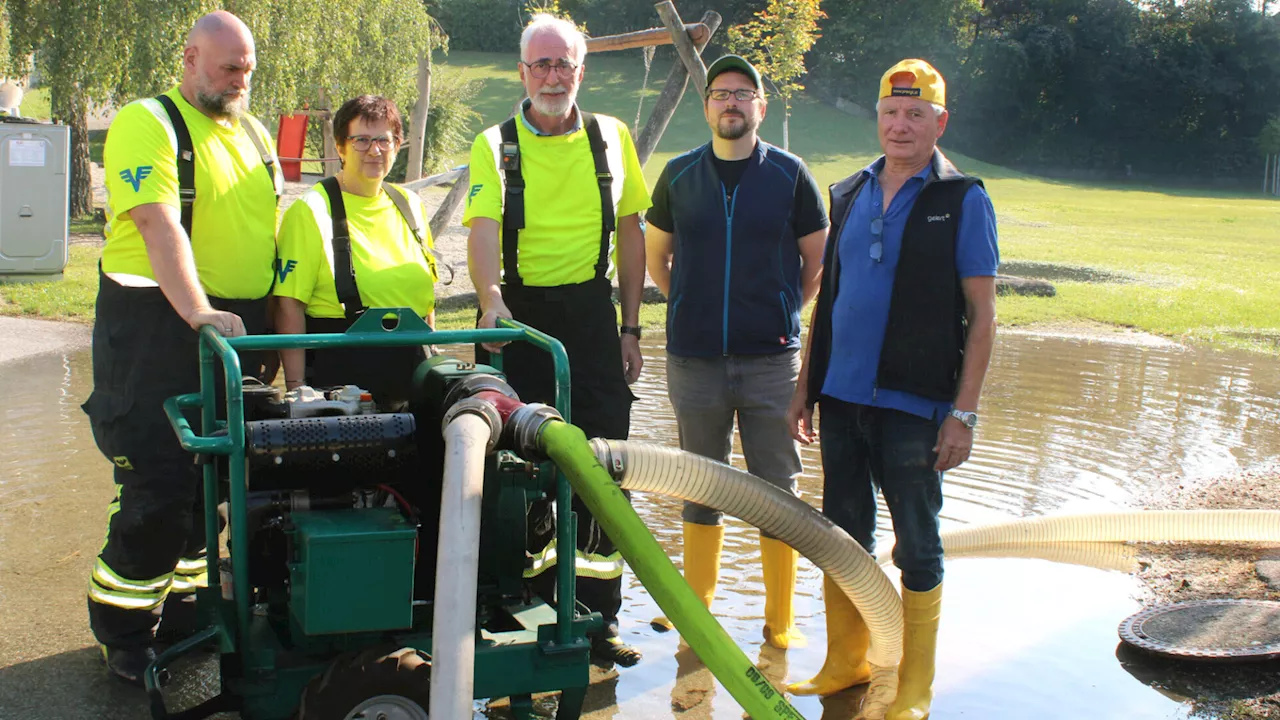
1208,630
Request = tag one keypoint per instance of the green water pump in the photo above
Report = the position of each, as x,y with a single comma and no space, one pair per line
321,605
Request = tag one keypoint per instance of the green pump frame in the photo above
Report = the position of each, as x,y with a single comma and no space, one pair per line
373,329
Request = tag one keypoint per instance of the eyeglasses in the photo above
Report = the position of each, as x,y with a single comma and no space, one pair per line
362,143
877,245
720,95
540,68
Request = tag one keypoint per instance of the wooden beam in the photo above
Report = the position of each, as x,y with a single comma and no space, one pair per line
667,102
444,213
688,52
458,174
698,32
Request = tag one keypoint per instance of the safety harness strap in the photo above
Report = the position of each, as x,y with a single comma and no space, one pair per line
513,220
344,274
186,161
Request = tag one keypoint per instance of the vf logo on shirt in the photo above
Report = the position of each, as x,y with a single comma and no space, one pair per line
284,267
475,190
136,176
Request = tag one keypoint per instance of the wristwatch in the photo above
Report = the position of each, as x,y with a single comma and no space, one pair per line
968,419
630,330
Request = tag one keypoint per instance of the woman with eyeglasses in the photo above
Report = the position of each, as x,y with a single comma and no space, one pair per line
351,243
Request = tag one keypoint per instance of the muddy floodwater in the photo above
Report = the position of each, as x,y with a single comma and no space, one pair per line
1067,425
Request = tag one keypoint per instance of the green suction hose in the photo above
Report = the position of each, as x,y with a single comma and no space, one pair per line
568,447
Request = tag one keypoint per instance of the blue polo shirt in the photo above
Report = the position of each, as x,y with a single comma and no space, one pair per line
860,313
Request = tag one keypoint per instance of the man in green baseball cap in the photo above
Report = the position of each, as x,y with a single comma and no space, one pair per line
734,239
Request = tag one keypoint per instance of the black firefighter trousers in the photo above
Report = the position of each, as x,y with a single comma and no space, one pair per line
144,353
583,318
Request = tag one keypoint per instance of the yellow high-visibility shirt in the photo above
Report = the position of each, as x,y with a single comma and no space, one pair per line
560,242
233,222
392,269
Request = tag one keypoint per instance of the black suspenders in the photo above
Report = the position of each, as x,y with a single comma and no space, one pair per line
344,273
187,158
513,202
186,161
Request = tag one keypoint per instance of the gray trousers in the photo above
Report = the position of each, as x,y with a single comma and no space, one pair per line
708,393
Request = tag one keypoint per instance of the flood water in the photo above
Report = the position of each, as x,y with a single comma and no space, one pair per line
1067,425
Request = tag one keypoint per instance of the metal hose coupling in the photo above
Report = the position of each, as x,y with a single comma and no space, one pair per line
612,454
476,384
524,430
481,409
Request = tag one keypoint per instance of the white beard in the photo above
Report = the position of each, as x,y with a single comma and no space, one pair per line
552,105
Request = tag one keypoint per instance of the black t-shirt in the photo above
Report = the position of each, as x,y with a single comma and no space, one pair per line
808,211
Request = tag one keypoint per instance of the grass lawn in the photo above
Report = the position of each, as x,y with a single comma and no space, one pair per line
1194,265
35,104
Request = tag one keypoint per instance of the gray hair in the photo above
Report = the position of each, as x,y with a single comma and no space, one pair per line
937,109
544,23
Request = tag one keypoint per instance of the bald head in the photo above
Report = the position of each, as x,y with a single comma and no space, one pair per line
217,63
220,27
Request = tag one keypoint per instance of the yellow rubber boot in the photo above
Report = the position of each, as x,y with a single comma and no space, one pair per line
847,642
778,561
920,614
702,546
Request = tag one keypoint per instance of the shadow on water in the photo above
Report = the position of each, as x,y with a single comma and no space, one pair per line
1208,680
1067,425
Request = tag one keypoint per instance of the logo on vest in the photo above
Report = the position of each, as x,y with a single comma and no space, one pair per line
938,218
284,267
136,176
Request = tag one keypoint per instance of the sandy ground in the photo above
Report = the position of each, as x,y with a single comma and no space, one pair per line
1183,572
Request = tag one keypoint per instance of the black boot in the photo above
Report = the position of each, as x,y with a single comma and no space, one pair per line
130,664
610,650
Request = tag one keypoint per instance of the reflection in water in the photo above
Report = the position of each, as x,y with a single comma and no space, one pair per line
1067,425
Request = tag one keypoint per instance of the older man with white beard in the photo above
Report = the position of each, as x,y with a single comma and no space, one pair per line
555,202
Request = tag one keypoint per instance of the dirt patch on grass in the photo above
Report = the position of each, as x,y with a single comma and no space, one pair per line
1057,271
1182,572
1092,332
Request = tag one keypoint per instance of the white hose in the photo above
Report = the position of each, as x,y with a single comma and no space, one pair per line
457,564
682,475
1217,526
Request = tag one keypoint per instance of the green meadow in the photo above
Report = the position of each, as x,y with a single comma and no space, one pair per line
1198,266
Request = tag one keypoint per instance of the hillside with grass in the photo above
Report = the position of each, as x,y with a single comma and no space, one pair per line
1192,265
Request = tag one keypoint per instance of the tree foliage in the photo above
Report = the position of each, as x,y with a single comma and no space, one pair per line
108,52
775,41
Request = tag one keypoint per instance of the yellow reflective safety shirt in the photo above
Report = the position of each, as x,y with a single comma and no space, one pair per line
560,242
234,220
392,269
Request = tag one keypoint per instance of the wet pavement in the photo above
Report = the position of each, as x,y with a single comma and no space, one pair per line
1068,425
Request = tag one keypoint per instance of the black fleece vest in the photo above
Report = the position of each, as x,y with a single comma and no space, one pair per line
924,342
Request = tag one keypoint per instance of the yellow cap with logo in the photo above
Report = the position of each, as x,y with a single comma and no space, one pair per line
914,78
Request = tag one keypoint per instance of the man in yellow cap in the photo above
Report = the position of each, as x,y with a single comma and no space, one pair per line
899,346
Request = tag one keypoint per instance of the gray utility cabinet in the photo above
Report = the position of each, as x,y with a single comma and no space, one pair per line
34,196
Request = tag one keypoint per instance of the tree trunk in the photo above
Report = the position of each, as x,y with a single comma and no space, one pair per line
72,109
418,122
786,125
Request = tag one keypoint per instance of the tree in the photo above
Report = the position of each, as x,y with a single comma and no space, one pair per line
108,52
775,41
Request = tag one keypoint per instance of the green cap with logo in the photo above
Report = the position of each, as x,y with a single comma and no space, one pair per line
735,63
